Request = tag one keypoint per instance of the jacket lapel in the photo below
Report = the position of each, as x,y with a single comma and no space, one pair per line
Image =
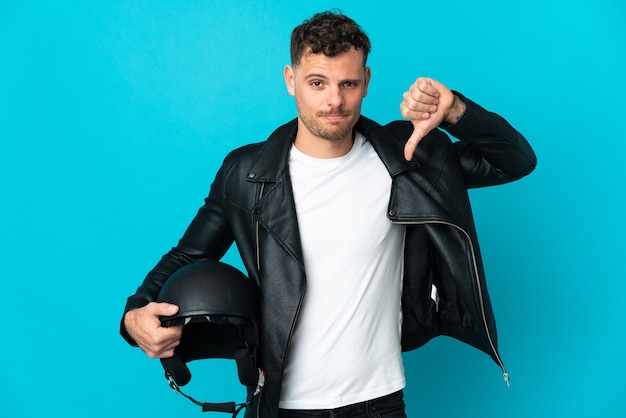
425,201
275,208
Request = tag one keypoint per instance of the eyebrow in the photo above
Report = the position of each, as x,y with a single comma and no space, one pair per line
315,75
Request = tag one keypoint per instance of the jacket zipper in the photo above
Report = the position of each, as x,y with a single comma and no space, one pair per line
258,266
505,374
258,251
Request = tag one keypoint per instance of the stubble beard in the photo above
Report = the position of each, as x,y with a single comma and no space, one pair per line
333,131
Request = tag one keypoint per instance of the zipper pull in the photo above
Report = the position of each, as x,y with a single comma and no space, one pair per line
506,379
434,295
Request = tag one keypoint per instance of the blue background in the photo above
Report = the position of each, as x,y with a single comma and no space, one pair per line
115,115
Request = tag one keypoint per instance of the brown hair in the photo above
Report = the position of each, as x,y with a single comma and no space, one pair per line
330,33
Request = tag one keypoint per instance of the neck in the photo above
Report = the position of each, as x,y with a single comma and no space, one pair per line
317,147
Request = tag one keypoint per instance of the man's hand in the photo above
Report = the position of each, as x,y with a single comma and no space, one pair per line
144,325
427,104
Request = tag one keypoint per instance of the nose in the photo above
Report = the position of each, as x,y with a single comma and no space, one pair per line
334,98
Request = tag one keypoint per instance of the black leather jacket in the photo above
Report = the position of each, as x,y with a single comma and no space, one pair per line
251,204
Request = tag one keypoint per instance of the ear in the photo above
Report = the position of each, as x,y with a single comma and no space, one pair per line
290,80
368,76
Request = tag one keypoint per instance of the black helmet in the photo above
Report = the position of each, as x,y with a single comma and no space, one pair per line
219,308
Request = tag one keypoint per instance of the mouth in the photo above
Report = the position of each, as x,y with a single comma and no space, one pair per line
334,117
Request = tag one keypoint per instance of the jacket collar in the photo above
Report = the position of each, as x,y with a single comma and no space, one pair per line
271,162
389,148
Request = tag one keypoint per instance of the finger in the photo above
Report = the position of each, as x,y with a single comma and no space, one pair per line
418,107
163,309
172,342
161,352
167,339
416,96
163,342
426,86
166,353
170,333
417,111
411,144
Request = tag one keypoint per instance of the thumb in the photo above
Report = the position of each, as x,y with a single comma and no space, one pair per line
166,309
411,143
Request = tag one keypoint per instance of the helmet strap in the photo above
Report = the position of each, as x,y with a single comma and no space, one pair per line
229,407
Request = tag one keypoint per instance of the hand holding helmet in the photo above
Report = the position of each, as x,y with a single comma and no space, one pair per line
144,326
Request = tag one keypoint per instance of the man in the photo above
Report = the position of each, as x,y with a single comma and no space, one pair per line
360,236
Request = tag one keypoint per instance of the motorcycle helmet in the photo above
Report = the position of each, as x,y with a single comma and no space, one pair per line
219,311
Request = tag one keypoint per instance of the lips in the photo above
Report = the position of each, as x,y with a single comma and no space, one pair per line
332,117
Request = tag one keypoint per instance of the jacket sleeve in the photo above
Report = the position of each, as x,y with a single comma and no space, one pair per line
490,150
207,237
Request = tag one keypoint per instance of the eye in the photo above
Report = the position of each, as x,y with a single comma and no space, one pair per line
316,84
350,84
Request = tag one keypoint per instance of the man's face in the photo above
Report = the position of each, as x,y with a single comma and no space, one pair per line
328,93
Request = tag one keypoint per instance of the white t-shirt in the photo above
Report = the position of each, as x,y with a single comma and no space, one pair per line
346,345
